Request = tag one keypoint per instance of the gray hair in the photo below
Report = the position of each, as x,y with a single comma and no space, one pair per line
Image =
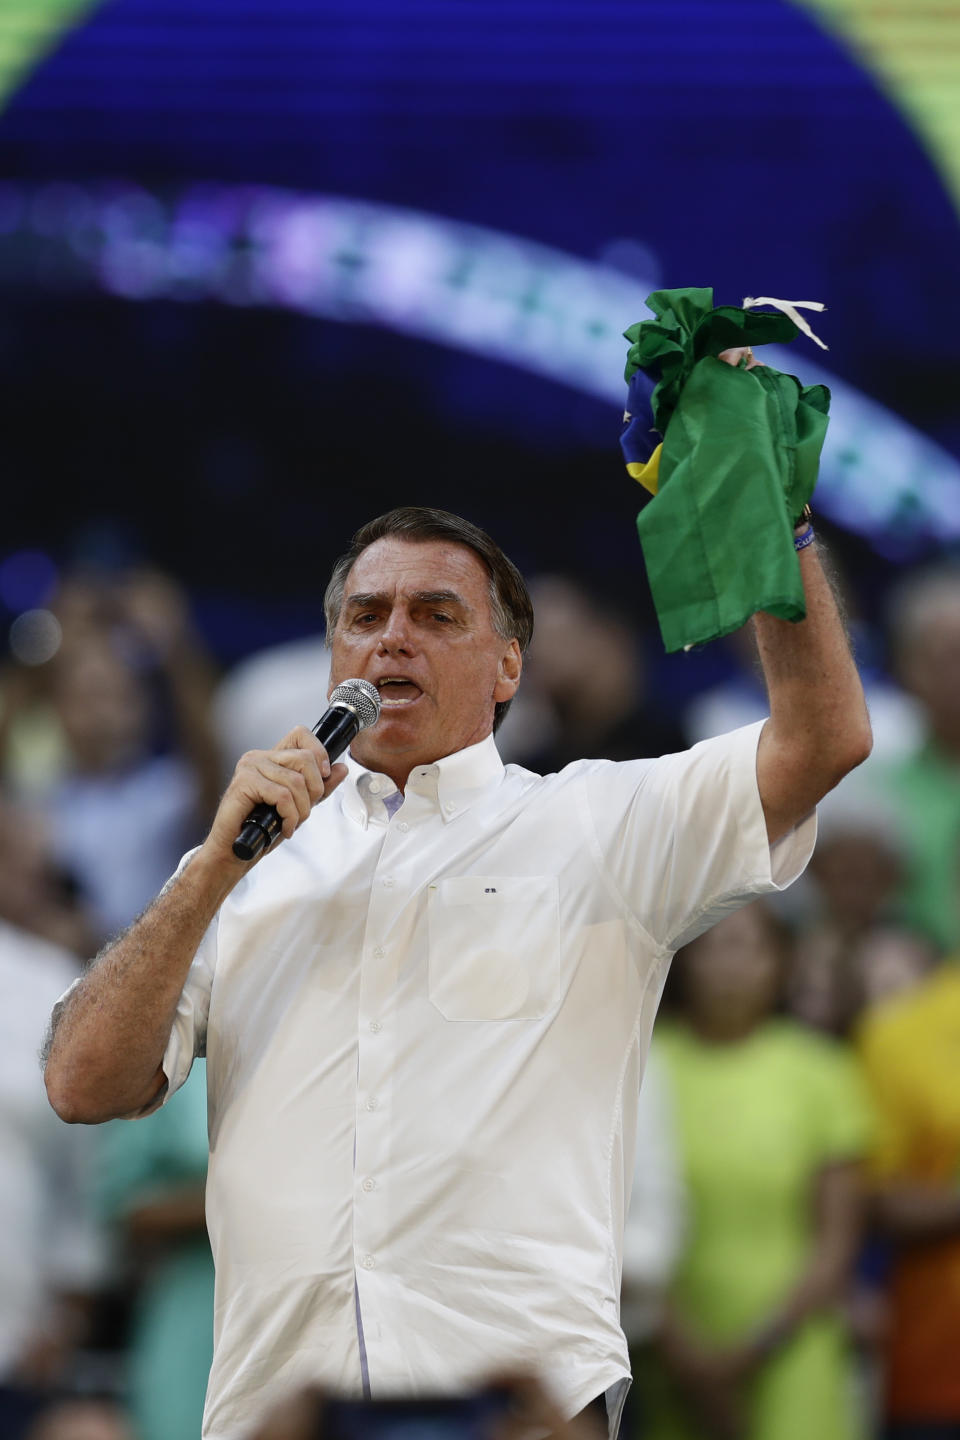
511,610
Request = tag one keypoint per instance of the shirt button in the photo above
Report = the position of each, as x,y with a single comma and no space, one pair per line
403,826
372,1103
450,808
388,882
368,1262
375,1027
378,952
375,787
369,1184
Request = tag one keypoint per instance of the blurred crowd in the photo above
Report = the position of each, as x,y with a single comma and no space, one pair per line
792,1256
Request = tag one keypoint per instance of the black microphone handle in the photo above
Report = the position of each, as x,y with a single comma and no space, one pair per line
335,729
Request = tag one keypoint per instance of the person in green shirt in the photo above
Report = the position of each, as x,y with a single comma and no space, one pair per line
152,1188
925,786
772,1126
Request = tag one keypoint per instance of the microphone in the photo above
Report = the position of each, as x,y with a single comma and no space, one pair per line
354,706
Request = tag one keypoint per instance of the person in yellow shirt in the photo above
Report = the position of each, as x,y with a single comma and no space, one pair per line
773,1124
911,1052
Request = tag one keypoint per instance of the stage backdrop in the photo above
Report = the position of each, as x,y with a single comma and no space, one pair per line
266,268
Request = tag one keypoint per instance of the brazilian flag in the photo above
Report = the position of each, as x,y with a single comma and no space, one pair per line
731,457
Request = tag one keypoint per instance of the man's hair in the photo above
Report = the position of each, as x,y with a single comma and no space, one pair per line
511,611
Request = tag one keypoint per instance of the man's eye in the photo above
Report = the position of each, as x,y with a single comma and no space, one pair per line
439,615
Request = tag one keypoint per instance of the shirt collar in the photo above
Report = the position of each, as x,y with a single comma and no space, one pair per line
450,785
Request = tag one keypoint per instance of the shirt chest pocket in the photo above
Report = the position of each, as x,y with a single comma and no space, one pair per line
494,943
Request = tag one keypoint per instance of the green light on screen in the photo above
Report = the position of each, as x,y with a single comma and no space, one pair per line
912,47
29,31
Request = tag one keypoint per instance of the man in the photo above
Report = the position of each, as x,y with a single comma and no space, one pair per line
425,1015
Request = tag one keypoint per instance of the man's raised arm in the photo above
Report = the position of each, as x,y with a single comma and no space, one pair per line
105,1052
819,728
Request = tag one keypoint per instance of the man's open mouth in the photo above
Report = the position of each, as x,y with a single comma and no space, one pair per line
396,691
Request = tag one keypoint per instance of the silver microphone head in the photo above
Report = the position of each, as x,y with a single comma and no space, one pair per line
361,697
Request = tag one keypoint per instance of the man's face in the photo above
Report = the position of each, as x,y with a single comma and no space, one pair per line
415,622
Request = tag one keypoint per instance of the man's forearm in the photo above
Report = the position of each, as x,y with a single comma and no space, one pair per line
107,1042
106,1047
819,728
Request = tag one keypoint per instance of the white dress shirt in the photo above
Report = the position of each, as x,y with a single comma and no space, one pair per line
425,1033
656,1222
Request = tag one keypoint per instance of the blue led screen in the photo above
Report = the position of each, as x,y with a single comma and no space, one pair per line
732,144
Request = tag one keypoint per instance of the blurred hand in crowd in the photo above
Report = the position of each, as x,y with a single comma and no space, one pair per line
148,604
34,895
532,1414
157,609
103,706
710,1377
83,1420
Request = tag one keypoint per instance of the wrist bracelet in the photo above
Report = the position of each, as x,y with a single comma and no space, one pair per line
805,538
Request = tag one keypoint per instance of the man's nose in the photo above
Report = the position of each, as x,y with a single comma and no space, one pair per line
396,635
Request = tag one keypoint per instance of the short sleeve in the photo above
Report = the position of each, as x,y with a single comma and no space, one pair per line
188,1037
684,839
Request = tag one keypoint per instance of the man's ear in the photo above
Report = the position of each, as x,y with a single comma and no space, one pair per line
508,673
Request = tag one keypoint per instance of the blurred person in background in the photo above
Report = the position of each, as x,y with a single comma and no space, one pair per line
773,1129
36,895
398,1198
151,1188
531,1414
848,955
910,1046
131,692
85,1419
584,686
266,694
925,785
143,614
656,1225
891,961
853,885
896,717
50,1252
32,749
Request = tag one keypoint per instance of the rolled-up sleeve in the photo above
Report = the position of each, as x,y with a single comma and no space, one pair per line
188,1038
685,838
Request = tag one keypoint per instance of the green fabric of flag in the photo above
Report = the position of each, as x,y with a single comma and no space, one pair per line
741,450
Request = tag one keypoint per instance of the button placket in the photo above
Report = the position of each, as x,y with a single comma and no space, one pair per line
388,917
375,1046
